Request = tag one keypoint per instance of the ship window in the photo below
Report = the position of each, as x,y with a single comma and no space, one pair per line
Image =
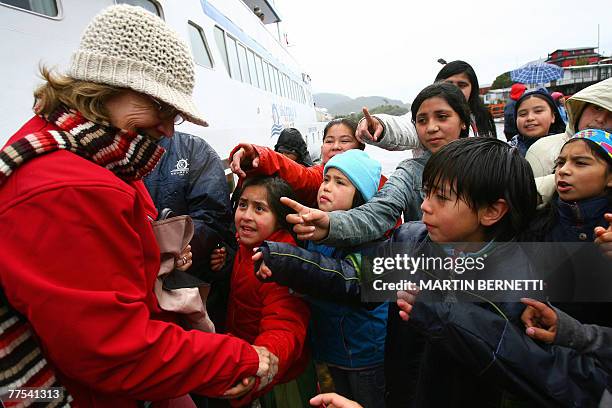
275,80
281,81
253,68
44,7
291,89
199,47
232,53
266,74
148,5
220,40
271,78
281,90
244,67
259,66
284,81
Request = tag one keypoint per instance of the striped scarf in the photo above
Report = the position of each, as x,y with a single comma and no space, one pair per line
21,361
129,155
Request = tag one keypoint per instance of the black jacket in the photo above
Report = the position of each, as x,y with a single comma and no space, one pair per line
456,354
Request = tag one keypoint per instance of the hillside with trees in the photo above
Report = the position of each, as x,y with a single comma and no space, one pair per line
342,105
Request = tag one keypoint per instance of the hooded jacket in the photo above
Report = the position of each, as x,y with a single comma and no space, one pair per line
543,153
453,354
290,140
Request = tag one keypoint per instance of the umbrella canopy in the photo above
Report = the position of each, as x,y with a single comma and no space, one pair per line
536,73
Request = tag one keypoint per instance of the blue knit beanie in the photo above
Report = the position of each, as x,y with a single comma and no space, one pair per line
360,169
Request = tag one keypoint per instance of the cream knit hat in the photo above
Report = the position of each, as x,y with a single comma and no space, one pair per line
128,47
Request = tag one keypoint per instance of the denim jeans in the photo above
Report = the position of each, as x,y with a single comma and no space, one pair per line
366,386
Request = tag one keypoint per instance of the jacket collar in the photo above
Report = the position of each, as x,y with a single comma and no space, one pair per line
584,212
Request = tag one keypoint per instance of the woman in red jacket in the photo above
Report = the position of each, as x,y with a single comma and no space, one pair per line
81,258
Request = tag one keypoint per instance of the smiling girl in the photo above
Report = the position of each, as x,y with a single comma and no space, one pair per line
536,116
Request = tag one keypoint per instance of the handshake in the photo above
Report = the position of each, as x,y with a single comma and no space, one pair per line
268,367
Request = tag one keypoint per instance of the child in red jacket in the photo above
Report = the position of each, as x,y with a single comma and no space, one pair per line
264,314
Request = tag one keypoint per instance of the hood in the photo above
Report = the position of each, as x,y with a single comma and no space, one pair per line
598,94
291,141
517,91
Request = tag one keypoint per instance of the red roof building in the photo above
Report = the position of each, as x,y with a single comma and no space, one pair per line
571,56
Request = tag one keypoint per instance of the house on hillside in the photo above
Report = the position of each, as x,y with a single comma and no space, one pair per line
569,57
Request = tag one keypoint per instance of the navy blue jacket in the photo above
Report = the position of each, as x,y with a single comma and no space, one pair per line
189,179
509,120
577,220
456,354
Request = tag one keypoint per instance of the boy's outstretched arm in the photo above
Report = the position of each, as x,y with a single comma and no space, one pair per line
311,273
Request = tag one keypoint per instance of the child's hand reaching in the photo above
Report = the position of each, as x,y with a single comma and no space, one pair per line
263,272
184,260
218,258
405,300
603,237
540,320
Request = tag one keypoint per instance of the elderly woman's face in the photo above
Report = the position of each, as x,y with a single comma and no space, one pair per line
137,112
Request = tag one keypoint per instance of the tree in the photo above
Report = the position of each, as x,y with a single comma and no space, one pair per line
581,61
502,81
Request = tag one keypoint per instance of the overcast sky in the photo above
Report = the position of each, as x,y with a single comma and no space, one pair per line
389,48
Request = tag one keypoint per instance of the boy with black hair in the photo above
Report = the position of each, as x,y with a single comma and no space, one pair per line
480,197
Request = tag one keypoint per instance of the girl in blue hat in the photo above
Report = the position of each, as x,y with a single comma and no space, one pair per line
349,338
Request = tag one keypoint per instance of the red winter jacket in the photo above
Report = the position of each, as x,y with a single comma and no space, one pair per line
305,181
80,261
266,314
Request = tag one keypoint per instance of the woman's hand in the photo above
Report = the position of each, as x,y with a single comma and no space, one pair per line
268,366
218,258
309,223
540,320
245,156
184,260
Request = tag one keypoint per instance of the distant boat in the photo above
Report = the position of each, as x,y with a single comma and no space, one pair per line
248,87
